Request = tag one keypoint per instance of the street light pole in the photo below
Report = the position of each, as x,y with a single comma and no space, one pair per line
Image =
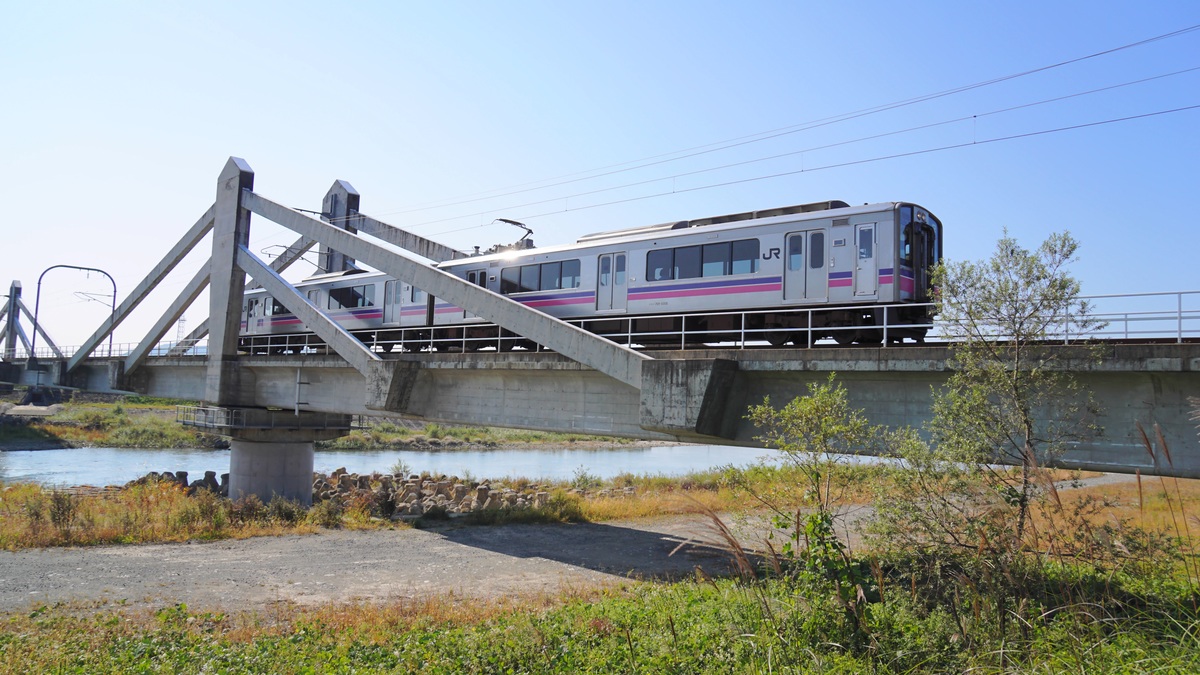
37,303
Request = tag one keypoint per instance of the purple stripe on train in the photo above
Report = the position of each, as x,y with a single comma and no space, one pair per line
736,284
841,279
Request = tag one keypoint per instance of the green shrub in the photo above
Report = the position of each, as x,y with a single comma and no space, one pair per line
284,511
327,514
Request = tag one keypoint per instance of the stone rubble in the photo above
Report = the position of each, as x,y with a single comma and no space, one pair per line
405,496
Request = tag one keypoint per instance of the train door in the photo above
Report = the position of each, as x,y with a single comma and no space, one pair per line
391,303
479,278
612,287
806,277
255,319
866,273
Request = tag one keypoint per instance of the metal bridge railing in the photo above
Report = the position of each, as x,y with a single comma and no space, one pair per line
1169,316
205,417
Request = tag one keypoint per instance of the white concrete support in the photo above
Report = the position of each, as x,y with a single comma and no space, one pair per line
227,282
340,203
334,335
426,248
269,469
36,327
182,301
14,316
279,264
135,297
612,359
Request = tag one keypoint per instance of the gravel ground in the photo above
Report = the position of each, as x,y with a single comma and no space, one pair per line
343,566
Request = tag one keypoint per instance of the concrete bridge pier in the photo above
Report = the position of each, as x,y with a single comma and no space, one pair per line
271,451
269,469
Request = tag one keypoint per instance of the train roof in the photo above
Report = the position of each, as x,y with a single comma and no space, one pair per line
716,220
731,221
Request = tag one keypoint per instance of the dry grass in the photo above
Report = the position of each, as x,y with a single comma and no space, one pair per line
31,517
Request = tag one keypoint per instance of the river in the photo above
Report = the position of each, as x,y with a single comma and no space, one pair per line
116,466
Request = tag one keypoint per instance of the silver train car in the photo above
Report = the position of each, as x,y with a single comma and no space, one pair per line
788,275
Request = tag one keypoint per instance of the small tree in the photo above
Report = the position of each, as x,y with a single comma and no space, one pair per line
814,433
1011,399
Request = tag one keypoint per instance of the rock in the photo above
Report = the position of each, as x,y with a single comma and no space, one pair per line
225,485
181,478
210,480
541,499
458,492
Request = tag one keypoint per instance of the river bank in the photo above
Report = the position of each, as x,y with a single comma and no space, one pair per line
137,422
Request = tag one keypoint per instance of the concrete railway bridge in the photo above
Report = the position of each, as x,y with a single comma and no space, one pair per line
274,407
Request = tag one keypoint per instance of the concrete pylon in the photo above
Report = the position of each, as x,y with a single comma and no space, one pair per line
227,283
12,315
338,209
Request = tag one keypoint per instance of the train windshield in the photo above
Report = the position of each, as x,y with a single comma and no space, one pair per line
920,246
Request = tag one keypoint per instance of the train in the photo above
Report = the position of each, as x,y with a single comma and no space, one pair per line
784,276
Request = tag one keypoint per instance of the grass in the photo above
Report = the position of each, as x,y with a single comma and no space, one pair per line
31,517
139,425
703,625
1075,618
387,434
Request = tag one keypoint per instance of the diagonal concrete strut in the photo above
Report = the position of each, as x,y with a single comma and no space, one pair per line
614,360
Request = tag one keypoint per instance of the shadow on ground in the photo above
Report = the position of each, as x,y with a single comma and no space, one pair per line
661,551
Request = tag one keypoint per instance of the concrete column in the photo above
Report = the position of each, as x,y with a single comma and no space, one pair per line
340,203
13,316
227,282
270,469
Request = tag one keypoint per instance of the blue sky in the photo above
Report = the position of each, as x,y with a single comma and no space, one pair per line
120,115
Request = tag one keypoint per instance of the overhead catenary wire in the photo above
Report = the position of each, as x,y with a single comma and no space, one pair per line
796,152
717,146
869,160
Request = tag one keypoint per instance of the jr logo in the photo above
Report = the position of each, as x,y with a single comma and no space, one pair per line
773,253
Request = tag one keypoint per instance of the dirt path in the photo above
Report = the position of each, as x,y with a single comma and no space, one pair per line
367,565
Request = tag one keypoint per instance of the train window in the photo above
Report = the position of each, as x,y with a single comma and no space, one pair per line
529,278
510,280
745,256
659,263
619,273
605,279
716,260
866,243
551,276
252,308
418,295
796,252
816,250
273,307
570,274
352,297
313,296
687,262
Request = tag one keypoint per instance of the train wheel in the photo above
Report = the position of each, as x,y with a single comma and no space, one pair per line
777,338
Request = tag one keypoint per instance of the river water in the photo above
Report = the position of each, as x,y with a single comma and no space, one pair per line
116,466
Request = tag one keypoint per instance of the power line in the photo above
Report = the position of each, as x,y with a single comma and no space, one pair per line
805,150
775,133
913,153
